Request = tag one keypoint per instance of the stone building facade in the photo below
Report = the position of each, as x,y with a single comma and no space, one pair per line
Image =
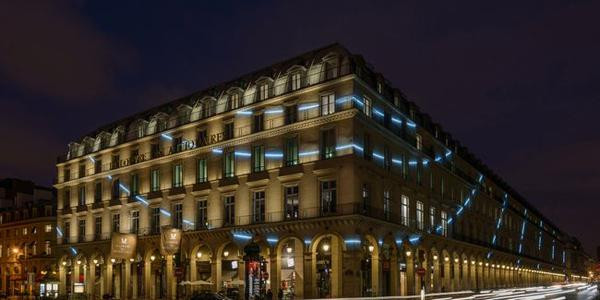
342,185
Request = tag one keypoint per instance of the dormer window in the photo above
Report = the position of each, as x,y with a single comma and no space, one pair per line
379,87
263,91
234,101
296,81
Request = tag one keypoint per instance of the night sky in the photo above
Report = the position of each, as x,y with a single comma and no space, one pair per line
517,83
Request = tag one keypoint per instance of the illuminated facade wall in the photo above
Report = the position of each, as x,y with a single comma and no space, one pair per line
348,189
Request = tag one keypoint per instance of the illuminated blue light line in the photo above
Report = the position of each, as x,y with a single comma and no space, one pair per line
411,124
377,155
274,154
92,159
355,99
244,112
343,147
378,112
243,154
397,161
494,240
165,212
242,236
412,162
188,222
272,240
308,106
124,188
438,158
352,241
448,153
308,153
460,210
468,201
425,162
73,250
166,136
141,199
217,151
109,177
451,220
59,232
414,239
274,111
396,120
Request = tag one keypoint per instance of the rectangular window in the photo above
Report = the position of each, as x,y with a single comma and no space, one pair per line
116,189
229,207
258,158
263,92
405,210
386,204
367,148
258,123
327,143
368,107
387,158
47,248
419,172
98,192
177,215
81,230
201,170
328,197
291,114
81,198
154,180
365,195
228,131
115,161
66,175
135,221
291,151
97,227
177,180
155,220
67,232
296,81
444,217
48,228
97,166
116,223
327,104
258,204
202,214
443,185
134,185
420,224
176,144
228,164
81,171
419,141
404,167
292,206
432,217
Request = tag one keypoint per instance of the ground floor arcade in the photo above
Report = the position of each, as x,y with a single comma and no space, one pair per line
347,256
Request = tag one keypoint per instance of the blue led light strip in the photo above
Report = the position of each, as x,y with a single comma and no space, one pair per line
499,222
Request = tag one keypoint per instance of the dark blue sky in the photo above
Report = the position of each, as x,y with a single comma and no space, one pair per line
518,83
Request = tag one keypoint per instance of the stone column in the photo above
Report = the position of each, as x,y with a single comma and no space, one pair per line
170,277
274,274
394,276
109,277
134,280
125,277
91,279
353,284
215,269
437,284
62,285
309,282
148,279
410,274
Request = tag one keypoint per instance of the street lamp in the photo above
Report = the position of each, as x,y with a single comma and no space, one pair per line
152,257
